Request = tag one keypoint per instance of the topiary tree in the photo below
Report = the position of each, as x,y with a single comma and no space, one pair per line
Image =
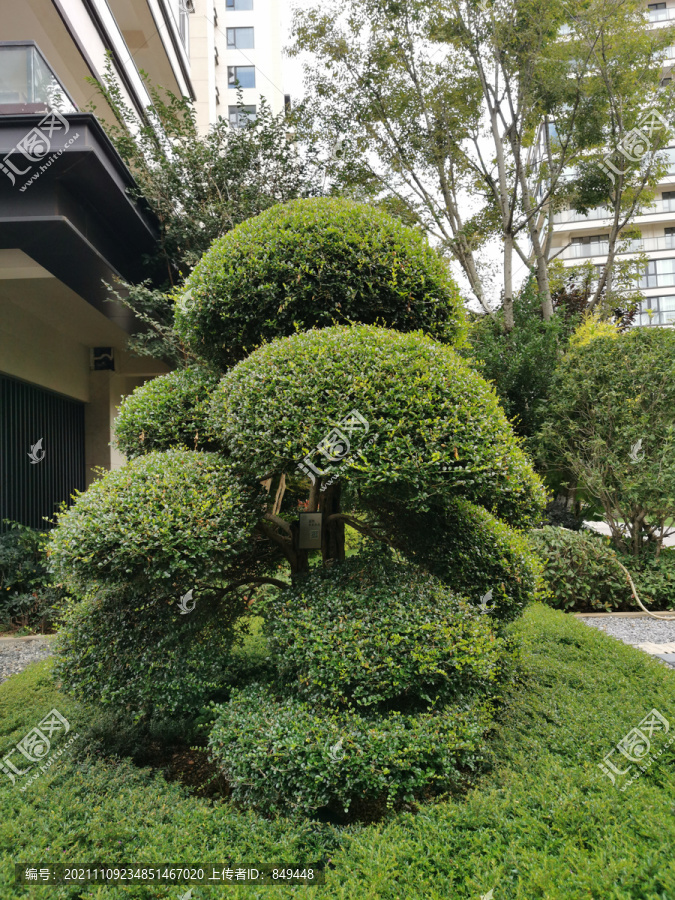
168,411
611,424
150,553
382,694
470,550
310,263
403,418
399,639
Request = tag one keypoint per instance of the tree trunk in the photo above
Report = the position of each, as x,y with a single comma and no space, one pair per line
508,282
333,542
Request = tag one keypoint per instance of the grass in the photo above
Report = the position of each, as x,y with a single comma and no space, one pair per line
543,824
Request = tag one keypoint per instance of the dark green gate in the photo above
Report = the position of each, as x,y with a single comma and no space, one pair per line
41,451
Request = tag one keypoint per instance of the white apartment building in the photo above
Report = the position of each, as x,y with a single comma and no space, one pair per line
587,235
236,43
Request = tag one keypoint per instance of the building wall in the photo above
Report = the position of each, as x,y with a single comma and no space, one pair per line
584,233
210,56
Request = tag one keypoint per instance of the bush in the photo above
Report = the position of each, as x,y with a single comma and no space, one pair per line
311,263
163,524
654,579
130,548
472,552
279,755
520,363
379,635
581,571
169,411
115,650
27,594
611,424
434,426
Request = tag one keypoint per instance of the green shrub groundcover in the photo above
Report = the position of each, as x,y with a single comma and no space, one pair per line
545,823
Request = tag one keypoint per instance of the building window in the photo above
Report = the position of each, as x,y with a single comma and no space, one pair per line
658,273
241,76
668,201
240,38
238,4
657,12
590,245
657,311
241,115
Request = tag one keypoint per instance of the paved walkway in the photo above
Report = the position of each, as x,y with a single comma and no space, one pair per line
17,653
653,636
603,528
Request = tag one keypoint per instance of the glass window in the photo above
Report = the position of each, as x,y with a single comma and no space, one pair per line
240,38
657,310
241,76
238,4
241,115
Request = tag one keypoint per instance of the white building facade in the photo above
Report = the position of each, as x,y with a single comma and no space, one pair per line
587,236
236,44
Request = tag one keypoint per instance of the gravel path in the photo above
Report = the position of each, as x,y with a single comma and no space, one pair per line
17,653
636,630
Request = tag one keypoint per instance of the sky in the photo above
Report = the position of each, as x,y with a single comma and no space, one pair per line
293,85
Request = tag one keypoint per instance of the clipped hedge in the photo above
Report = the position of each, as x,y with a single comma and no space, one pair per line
580,570
281,756
471,551
166,412
143,659
130,549
311,263
377,634
434,426
163,523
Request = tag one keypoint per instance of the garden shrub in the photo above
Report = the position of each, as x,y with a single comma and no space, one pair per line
581,572
434,427
27,593
280,755
521,362
163,524
377,634
130,549
114,651
655,579
611,425
311,263
471,551
168,411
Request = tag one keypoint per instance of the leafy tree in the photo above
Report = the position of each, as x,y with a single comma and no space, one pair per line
199,186
611,424
521,363
482,119
310,263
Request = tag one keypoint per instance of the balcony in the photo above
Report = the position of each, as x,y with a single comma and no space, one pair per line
27,83
601,248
